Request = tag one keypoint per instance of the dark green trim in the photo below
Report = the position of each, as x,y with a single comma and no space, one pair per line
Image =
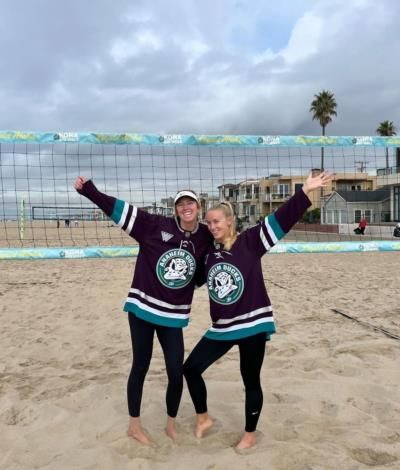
117,211
156,319
279,233
267,328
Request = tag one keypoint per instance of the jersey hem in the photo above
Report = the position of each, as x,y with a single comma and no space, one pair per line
156,320
243,333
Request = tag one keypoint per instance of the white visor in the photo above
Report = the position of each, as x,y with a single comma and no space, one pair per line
185,193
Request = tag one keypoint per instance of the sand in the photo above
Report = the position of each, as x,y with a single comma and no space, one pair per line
45,233
331,385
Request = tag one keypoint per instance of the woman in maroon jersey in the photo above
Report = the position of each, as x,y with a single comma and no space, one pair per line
240,309
160,297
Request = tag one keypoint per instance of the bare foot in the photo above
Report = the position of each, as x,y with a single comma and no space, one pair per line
170,428
248,440
135,431
204,422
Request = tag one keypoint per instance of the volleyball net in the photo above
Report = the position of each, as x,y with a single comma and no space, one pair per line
42,216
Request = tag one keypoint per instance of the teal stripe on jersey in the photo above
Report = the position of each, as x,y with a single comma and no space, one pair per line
155,319
279,233
268,328
117,211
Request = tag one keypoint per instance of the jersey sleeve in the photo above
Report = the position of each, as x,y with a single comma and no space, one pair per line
135,222
276,225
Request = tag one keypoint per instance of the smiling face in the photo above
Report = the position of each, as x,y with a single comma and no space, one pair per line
219,224
187,209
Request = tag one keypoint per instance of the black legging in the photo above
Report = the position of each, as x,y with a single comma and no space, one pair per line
171,340
207,351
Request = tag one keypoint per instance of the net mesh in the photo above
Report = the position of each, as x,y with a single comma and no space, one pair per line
39,206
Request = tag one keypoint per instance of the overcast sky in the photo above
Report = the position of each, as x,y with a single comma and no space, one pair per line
205,66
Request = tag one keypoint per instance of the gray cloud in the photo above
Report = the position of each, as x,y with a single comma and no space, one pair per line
188,67
194,67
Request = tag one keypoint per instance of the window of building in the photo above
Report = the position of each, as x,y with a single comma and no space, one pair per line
366,214
281,189
336,217
396,197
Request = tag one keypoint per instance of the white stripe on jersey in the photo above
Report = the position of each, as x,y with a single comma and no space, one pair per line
160,303
123,215
271,233
242,325
267,246
224,321
181,316
132,221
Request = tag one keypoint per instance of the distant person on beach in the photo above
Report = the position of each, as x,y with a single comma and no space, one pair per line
360,230
396,231
66,223
160,298
240,308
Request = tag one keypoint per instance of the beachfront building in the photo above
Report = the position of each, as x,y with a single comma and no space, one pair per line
168,202
206,202
389,178
159,210
255,198
349,207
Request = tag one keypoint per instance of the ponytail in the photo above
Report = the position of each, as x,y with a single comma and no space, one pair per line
226,208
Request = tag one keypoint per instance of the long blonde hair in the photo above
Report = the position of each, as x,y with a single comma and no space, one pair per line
226,208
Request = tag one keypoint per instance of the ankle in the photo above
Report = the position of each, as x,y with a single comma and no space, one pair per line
202,417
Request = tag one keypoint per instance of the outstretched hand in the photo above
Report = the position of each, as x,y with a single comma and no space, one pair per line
314,182
79,182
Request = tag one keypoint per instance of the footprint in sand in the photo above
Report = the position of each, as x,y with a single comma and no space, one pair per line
158,451
285,398
13,416
372,457
345,371
389,438
284,434
329,409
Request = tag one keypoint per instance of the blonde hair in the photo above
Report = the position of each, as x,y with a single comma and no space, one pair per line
226,208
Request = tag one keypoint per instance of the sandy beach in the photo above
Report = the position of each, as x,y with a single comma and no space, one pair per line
331,384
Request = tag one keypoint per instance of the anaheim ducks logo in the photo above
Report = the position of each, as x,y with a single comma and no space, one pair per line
175,268
225,283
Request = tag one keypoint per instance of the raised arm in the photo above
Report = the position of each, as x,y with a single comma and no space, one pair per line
79,182
106,203
135,222
316,182
276,225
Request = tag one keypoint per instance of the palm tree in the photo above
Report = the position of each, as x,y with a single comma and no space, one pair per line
386,129
323,108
